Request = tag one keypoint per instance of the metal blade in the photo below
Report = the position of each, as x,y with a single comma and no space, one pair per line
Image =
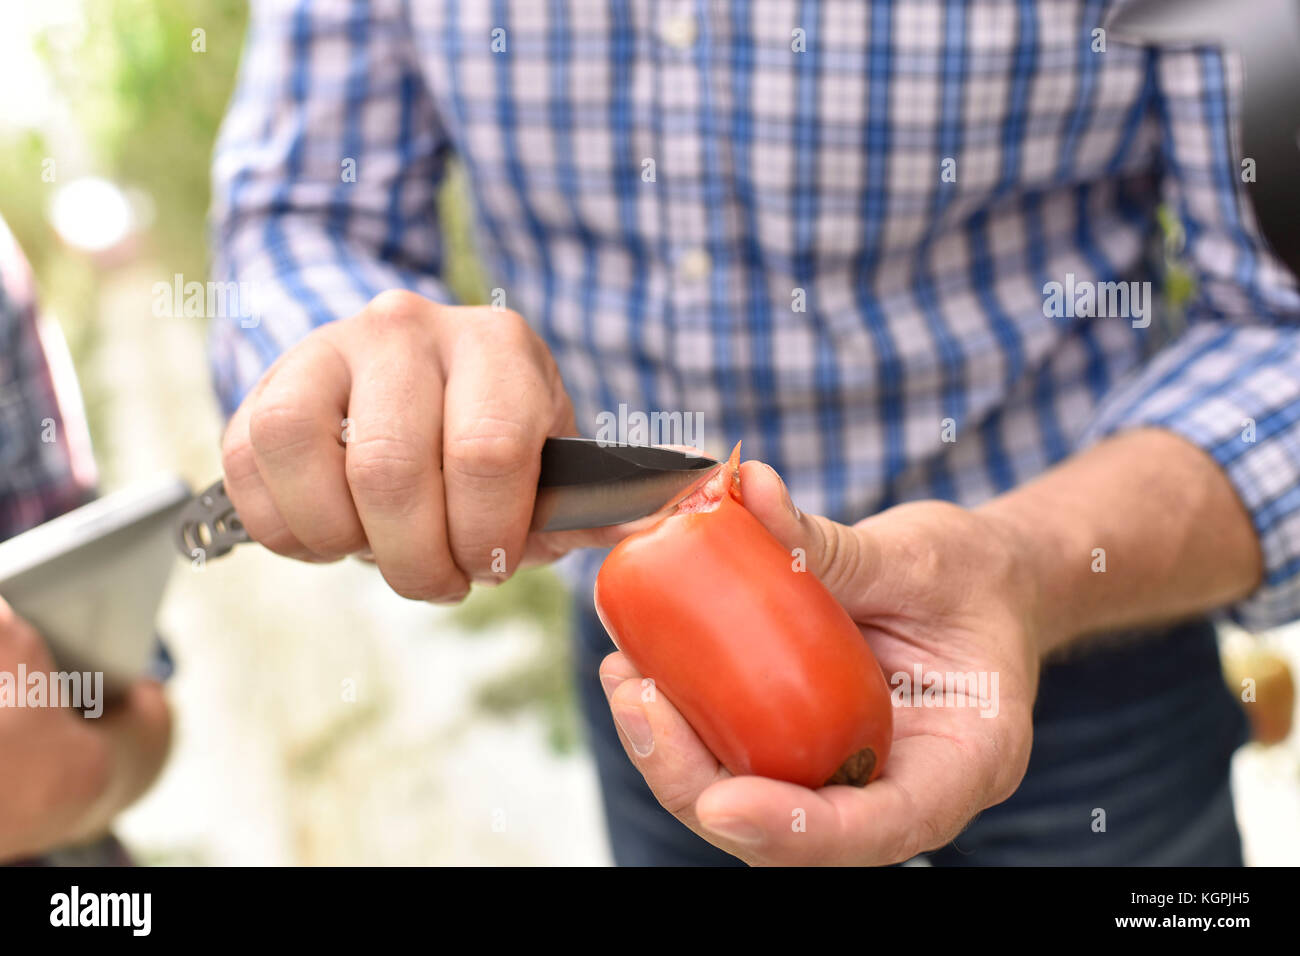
583,483
591,484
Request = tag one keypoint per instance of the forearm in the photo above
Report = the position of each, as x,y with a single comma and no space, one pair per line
1138,530
337,280
321,202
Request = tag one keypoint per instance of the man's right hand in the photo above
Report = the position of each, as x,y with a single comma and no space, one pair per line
410,433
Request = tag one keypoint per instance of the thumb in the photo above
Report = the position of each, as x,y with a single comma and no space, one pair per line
846,559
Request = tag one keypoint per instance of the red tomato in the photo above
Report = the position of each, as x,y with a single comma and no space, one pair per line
760,659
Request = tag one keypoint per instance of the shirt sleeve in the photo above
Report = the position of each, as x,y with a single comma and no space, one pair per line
325,180
46,463
1231,382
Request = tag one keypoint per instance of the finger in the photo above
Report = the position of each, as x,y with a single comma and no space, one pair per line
393,459
21,644
245,487
119,755
140,725
747,816
924,799
503,399
842,557
658,740
296,427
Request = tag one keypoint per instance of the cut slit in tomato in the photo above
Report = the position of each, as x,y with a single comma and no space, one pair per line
724,481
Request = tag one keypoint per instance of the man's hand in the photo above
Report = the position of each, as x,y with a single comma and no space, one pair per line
931,585
66,776
410,433
954,591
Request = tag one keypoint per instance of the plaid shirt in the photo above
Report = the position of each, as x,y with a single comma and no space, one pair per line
828,226
45,466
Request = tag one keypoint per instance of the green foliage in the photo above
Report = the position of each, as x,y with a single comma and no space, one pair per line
545,679
461,269
68,284
24,208
150,103
1180,282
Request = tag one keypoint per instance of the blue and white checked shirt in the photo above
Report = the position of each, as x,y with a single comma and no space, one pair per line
46,466
794,146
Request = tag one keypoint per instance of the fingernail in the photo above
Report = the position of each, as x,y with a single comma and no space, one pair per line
610,682
735,829
789,503
635,727
449,600
785,493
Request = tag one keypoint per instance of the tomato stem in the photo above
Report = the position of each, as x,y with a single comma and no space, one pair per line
733,465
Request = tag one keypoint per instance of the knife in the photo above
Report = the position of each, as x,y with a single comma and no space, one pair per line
583,483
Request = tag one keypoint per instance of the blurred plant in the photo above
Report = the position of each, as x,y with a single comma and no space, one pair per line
1179,281
545,679
67,283
146,106
147,95
148,90
461,268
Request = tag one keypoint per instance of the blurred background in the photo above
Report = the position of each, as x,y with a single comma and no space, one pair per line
319,718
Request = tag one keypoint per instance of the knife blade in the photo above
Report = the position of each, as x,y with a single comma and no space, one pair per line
582,483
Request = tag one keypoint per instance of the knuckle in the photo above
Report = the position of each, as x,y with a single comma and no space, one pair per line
675,796
507,318
396,308
237,457
335,539
505,332
516,328
485,563
276,425
384,469
237,462
840,558
493,448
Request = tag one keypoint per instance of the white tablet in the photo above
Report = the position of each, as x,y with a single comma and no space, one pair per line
91,580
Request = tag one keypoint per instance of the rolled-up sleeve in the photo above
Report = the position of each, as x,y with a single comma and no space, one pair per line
1231,382
325,180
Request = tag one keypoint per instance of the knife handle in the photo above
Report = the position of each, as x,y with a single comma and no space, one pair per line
209,524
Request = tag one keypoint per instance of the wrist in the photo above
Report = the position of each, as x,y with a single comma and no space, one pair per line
1042,554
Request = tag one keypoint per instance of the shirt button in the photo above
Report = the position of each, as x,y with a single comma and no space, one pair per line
678,31
695,264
